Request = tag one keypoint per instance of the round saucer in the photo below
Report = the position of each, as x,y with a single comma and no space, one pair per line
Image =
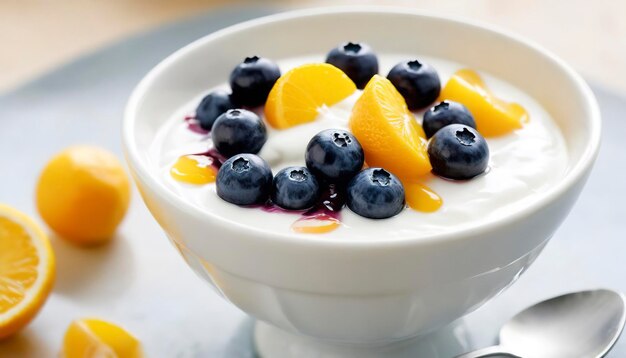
449,341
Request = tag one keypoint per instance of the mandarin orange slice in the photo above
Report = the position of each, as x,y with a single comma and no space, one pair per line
194,169
389,134
493,115
298,94
421,198
95,338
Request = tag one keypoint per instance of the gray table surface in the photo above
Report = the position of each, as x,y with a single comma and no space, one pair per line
140,282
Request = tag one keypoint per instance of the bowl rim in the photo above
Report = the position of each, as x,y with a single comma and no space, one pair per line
576,173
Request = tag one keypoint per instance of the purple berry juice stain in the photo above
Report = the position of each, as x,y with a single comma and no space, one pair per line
327,209
216,158
194,125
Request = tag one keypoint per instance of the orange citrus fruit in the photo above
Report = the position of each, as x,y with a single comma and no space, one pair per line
91,338
26,270
421,198
194,169
493,116
299,93
388,132
83,194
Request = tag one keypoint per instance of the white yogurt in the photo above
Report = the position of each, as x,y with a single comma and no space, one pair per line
522,164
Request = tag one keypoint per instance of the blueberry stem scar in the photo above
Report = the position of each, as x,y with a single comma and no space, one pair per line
414,65
352,47
297,175
381,177
252,59
442,105
240,165
465,137
341,139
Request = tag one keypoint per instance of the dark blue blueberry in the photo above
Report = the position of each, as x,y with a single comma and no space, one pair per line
244,179
417,82
252,80
357,60
238,131
212,106
334,155
376,194
295,188
458,151
446,113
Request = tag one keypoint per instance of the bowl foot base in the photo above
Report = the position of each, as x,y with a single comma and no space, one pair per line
272,342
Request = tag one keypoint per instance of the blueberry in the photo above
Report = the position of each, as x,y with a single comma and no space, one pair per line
446,113
334,155
357,60
376,194
458,151
244,179
252,80
238,131
212,106
295,188
418,83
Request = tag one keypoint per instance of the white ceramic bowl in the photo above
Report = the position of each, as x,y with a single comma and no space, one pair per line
362,291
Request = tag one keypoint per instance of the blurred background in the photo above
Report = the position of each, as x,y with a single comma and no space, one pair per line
39,35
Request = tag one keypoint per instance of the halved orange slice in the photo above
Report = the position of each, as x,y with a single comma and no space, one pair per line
388,132
493,115
194,169
297,95
26,270
97,338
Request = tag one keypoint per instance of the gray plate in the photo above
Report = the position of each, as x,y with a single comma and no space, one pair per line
140,282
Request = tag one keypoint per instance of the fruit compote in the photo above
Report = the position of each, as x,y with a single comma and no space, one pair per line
506,149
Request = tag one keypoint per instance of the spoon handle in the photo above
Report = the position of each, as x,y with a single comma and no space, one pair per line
493,351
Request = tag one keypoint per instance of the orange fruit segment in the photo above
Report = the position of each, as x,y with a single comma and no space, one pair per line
493,116
83,194
94,338
298,94
194,169
27,269
317,224
388,132
419,197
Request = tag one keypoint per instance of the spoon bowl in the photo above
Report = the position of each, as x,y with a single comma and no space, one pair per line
580,324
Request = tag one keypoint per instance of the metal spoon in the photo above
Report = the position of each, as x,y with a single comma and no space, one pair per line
581,324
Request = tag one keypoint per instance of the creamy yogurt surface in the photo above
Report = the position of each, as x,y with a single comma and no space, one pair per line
522,164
